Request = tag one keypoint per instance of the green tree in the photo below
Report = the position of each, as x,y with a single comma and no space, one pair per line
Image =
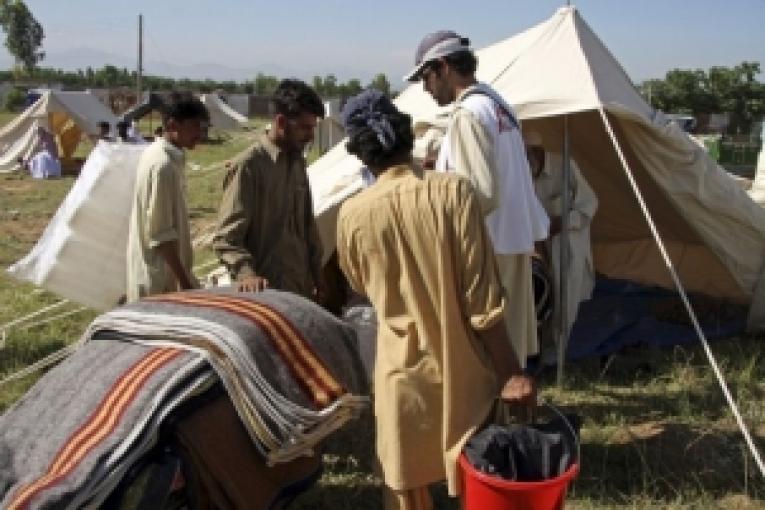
23,33
14,100
330,86
734,90
381,83
264,84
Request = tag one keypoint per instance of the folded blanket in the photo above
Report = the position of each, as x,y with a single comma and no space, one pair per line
88,419
289,367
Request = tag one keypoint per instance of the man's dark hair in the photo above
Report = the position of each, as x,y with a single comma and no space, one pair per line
103,125
366,145
464,63
184,106
294,97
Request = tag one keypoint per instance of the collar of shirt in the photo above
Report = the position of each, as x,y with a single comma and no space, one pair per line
394,172
271,148
176,153
462,94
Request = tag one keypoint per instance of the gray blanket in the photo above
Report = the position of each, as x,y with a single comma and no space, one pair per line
290,368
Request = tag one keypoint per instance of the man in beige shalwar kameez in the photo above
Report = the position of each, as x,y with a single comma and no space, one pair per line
417,248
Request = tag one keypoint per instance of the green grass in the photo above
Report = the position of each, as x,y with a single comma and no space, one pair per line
657,433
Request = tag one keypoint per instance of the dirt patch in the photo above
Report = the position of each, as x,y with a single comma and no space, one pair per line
24,229
15,186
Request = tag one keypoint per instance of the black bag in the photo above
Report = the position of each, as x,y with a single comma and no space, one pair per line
525,453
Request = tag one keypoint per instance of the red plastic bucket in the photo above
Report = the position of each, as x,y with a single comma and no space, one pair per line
483,492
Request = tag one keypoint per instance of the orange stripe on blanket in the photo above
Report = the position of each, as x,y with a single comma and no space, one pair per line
297,341
101,423
308,370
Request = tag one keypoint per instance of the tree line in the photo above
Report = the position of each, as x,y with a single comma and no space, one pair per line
734,90
110,76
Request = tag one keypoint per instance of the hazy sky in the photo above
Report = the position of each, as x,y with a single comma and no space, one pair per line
234,39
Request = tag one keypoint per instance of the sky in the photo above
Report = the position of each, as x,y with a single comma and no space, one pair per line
236,39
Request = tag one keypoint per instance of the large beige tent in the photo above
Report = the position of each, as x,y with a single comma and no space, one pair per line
68,115
560,71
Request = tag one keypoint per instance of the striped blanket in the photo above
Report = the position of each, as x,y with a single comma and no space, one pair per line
290,369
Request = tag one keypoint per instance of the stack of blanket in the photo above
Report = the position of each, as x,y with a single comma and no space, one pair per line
290,369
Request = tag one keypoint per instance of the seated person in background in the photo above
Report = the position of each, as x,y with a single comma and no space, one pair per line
44,162
44,165
546,167
417,247
46,141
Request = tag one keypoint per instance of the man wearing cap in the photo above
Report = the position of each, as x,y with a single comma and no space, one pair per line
483,143
546,171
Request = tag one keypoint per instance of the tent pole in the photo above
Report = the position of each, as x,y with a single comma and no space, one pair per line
683,295
139,71
564,255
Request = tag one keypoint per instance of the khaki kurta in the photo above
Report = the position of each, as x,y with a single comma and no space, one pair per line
266,224
583,203
159,215
418,249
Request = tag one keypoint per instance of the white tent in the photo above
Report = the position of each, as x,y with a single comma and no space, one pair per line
559,72
81,255
240,103
68,115
222,116
329,130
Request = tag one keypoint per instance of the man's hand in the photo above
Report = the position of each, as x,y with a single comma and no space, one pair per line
520,389
252,283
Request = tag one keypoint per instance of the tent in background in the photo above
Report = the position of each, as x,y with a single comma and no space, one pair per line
150,102
240,103
222,116
329,130
81,254
68,115
559,70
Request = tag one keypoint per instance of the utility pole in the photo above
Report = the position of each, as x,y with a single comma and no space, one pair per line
139,85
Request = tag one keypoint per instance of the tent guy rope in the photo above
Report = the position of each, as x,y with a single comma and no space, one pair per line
681,290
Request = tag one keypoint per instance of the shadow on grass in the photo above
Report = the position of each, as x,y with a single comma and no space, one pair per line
667,462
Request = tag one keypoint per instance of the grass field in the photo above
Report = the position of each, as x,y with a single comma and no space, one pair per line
657,433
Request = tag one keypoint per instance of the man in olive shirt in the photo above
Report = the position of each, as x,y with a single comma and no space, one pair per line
266,234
